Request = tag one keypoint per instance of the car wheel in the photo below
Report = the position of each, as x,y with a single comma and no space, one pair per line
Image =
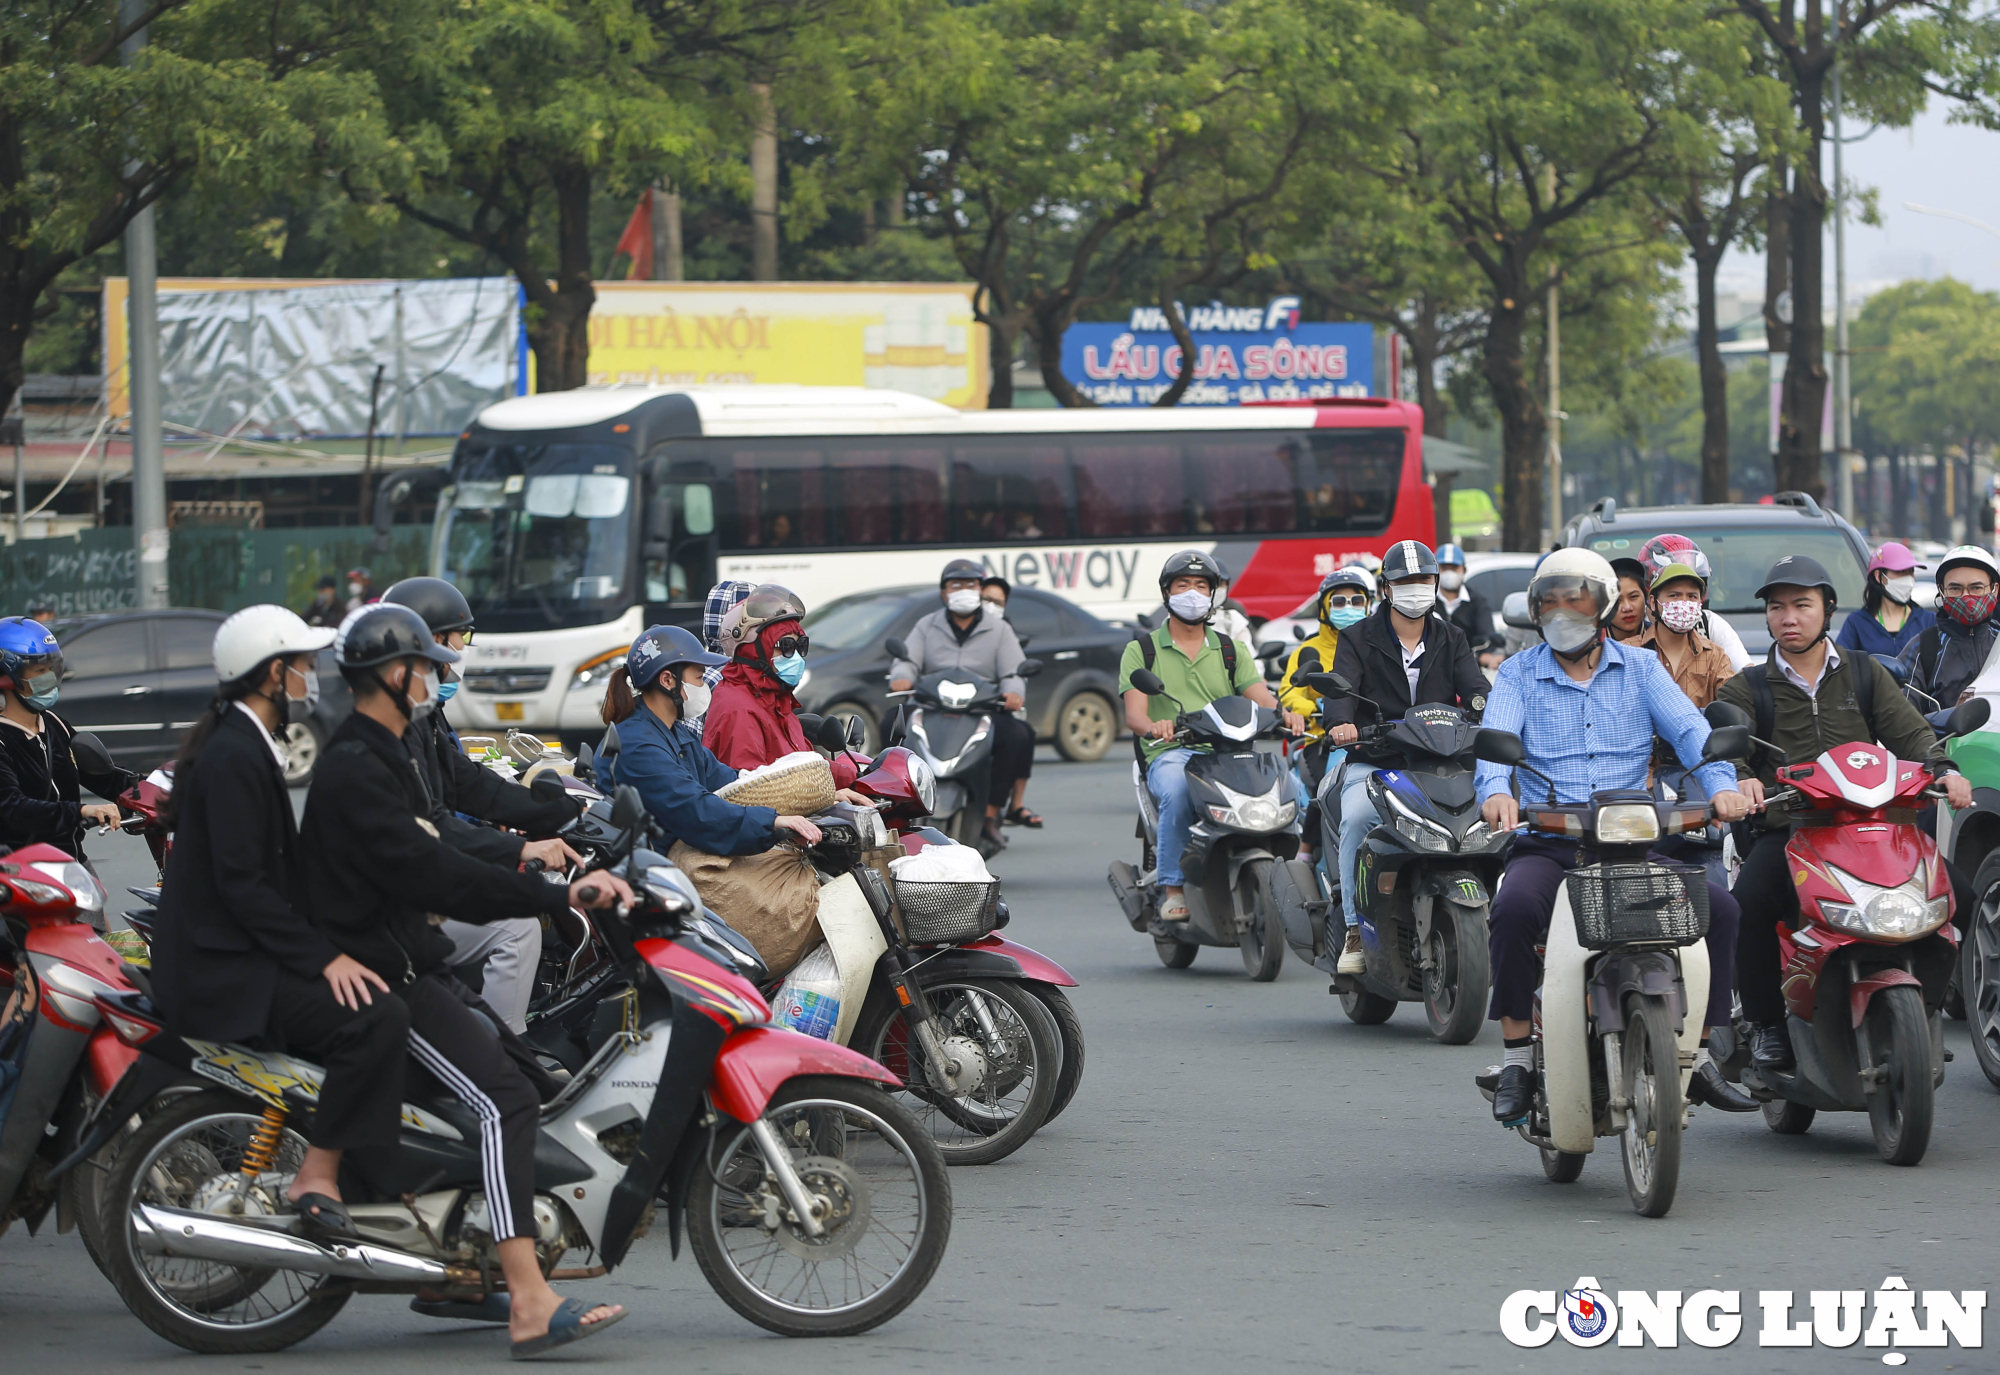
303,742
871,730
1085,728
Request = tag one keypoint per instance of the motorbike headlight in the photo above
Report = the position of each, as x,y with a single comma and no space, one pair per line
925,782
1421,836
1262,812
1628,823
672,889
1901,913
80,881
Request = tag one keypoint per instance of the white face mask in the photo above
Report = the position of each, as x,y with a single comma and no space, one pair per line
1191,606
1900,588
1566,632
1413,598
963,602
1451,582
1680,616
428,678
694,701
301,708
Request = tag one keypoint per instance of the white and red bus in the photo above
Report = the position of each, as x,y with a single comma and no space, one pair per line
572,520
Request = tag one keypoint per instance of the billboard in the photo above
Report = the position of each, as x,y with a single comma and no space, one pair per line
1242,353
914,337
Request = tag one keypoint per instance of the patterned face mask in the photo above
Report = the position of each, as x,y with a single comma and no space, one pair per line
1970,610
1680,616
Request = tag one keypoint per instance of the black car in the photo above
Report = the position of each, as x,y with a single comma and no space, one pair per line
1073,701
139,679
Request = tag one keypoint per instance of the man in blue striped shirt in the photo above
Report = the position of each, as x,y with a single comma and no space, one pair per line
1587,708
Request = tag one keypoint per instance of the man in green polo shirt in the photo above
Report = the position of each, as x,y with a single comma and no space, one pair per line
1188,657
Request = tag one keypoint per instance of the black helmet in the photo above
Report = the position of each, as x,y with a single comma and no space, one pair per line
1192,563
662,647
442,606
1633,569
961,570
383,632
1408,559
1799,570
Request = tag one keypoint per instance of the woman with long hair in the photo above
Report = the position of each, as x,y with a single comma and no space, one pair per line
1888,619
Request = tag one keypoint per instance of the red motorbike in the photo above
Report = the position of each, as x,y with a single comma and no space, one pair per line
1865,972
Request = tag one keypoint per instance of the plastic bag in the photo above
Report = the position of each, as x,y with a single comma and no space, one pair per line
809,999
942,864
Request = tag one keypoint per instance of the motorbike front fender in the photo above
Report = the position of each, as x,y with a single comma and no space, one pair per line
1461,886
1863,991
1637,971
756,1062
996,957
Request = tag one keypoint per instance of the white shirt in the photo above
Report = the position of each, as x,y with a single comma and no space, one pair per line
1412,664
1797,680
264,734
1728,641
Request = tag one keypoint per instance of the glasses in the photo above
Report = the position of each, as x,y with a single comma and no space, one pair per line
1360,601
445,639
794,644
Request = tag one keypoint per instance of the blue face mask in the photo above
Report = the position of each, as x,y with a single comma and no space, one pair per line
48,687
447,691
790,669
1341,617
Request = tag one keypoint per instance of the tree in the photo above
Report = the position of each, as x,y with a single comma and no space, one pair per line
236,93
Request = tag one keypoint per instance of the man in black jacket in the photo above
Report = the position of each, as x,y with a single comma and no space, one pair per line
1405,655
378,880
1464,607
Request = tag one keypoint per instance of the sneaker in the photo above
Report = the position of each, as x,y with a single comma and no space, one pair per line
1352,961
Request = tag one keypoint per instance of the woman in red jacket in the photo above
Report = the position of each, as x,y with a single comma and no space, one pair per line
753,717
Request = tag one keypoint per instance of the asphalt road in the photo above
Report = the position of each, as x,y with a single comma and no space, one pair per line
1244,1176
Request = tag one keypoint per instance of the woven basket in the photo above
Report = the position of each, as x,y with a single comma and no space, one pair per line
801,788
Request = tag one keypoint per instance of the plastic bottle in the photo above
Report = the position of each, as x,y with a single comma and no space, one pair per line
809,999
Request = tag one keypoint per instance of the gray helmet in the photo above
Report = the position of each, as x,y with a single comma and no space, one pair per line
1408,559
1193,563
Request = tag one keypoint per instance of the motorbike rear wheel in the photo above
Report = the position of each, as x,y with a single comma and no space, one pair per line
1787,1118
1979,969
1455,986
1897,1041
887,1216
1262,940
1367,1009
1650,1083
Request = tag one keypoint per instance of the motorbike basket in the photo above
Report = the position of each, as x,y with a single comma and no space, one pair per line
1638,904
931,913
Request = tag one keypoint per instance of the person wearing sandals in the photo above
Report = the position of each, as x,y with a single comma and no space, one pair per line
994,591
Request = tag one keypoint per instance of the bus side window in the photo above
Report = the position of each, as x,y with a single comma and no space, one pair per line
678,543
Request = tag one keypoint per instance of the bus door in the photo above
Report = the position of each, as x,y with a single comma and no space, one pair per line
677,546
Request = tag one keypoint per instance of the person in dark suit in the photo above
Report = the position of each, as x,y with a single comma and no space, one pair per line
1465,608
41,779
234,956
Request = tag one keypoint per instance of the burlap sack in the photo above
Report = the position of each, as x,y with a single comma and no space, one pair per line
771,899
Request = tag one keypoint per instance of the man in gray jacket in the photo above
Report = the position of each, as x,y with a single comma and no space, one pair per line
966,634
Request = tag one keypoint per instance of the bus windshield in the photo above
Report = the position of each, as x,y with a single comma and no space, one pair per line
537,535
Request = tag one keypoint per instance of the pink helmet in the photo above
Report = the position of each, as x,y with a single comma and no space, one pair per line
1894,558
1664,551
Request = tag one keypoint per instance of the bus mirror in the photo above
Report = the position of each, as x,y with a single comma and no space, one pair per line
659,518
698,509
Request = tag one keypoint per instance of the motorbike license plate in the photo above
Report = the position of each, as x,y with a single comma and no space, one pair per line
508,711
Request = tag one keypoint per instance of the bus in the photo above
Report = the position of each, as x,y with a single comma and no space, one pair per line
572,520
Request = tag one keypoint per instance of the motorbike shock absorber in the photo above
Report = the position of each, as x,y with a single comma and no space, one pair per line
262,1147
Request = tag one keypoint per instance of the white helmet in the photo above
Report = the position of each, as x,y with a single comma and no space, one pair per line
1970,554
256,633
1569,569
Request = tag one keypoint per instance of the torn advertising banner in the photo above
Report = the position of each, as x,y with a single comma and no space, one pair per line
1243,353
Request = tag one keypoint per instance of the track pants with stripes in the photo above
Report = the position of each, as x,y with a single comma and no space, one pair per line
452,1037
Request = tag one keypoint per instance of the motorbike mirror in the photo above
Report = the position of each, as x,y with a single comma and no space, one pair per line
1498,746
1330,686
1028,668
607,748
1898,670
1309,661
1722,714
809,723
1514,611
627,811
548,786
897,649
1966,718
1271,649
1299,633
857,733
831,733
90,754
586,764
1726,742
1148,682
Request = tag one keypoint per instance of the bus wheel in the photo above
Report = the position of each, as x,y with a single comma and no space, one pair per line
1085,728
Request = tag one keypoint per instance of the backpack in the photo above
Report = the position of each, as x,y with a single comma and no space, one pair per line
1150,653
1759,678
1930,645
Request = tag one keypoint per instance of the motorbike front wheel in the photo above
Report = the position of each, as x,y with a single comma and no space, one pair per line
1455,981
1070,1026
1897,1043
1562,1167
1979,969
1261,938
1650,1083
878,1186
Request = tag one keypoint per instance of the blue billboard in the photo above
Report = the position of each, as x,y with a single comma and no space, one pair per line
1242,353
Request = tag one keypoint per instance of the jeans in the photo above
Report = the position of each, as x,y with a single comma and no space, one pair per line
1357,818
1166,779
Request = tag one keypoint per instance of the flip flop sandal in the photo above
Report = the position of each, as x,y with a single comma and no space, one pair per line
1021,816
325,1217
492,1308
566,1325
1176,911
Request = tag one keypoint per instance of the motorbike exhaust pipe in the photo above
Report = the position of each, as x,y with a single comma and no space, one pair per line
202,1236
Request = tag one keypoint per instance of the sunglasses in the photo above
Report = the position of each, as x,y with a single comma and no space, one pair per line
1360,601
794,644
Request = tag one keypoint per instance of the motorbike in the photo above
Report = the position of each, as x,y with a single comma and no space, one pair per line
1425,875
947,719
1245,823
1865,973
815,1205
1617,1020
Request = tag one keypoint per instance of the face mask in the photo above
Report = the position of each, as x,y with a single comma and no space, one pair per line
1900,589
790,669
963,602
1413,598
1451,582
299,709
1190,606
419,710
1566,632
1970,610
1341,617
694,701
354,589
1680,617
446,691
46,688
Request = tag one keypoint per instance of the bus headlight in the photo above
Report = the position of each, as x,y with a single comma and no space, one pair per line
592,674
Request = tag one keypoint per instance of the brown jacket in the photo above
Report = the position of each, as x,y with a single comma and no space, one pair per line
1699,674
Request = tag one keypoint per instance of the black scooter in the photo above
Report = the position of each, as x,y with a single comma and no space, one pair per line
947,720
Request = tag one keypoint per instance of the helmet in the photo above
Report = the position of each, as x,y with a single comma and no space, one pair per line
1970,554
442,606
764,605
1628,568
1356,579
661,647
1364,559
29,656
959,570
1662,550
360,575
1449,555
1568,569
1192,563
1798,570
1408,559
256,634
1894,558
1672,571
381,633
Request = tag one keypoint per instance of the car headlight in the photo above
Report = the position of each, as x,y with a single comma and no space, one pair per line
592,674
1900,913
1627,823
80,881
925,782
672,889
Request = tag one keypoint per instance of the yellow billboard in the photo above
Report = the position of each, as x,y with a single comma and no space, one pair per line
914,337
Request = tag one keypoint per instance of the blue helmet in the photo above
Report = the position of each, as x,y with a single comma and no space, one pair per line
1449,554
661,647
31,661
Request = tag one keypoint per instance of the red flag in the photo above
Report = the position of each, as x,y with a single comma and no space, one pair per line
637,240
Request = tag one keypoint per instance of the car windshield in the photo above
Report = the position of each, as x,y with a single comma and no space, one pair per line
853,622
1740,556
537,535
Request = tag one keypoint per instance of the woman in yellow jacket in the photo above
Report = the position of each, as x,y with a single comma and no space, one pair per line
1344,599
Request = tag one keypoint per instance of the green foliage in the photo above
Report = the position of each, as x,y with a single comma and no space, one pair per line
1927,368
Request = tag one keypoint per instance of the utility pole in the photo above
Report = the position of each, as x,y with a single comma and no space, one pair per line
149,476
1843,406
763,185
1553,477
